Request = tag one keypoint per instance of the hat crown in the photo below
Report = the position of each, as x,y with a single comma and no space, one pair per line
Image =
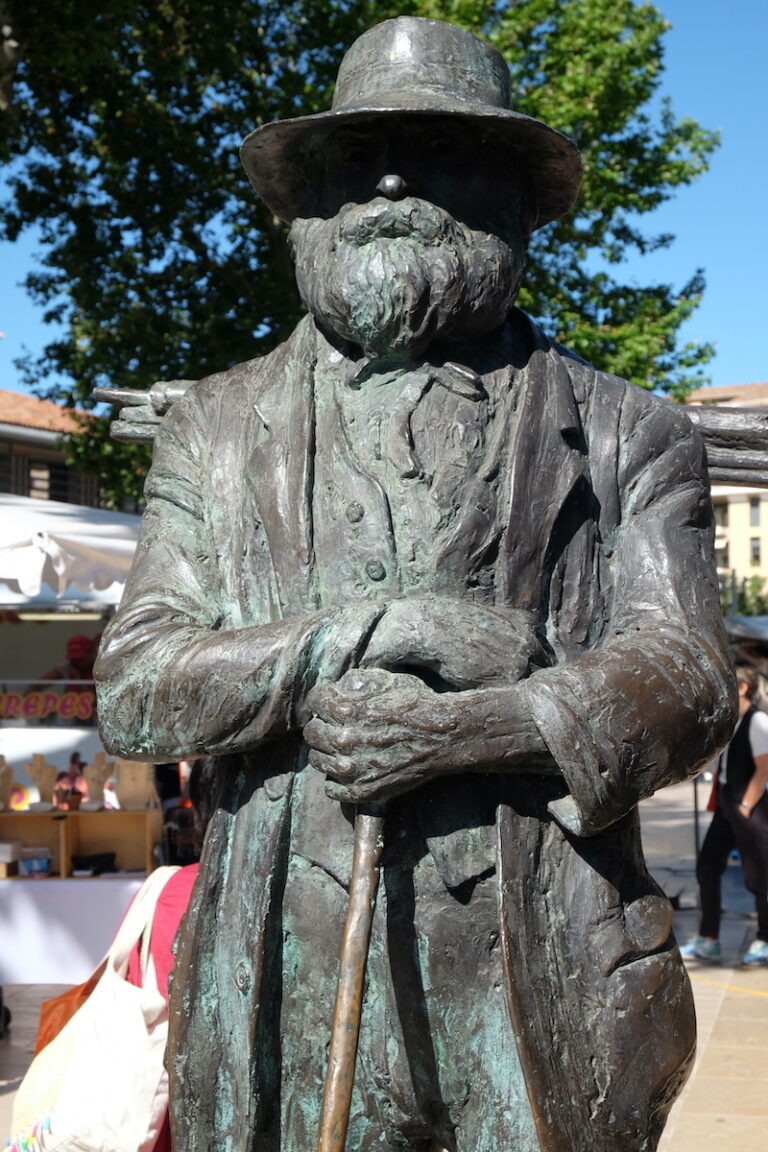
399,70
410,56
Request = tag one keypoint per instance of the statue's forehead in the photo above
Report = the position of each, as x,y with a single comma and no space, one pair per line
434,135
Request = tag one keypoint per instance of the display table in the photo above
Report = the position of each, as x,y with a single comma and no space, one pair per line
57,931
131,835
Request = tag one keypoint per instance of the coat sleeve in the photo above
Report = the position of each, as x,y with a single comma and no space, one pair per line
656,698
171,681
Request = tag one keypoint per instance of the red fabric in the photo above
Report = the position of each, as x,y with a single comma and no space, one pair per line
712,802
171,906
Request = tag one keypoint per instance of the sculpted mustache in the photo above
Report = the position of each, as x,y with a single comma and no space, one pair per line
386,219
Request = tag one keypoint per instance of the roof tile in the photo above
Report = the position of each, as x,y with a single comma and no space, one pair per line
29,412
735,394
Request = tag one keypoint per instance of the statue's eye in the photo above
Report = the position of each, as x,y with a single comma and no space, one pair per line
442,145
354,151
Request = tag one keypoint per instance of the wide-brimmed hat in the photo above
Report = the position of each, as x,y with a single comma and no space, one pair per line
410,68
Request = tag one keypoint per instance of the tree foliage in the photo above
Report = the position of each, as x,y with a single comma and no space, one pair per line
743,596
121,130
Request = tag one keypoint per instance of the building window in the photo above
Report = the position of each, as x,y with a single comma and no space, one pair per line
48,480
721,513
722,557
754,511
754,550
45,477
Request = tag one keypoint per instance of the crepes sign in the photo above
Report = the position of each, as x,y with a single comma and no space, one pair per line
46,705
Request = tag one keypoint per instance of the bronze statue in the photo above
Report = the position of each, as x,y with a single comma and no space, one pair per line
420,557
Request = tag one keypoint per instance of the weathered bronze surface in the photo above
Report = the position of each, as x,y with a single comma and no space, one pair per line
419,556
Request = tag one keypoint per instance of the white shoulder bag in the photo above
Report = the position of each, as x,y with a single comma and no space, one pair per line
100,1085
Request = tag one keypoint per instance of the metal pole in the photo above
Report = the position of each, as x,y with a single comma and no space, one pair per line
353,959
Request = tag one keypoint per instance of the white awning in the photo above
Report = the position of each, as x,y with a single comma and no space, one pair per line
50,550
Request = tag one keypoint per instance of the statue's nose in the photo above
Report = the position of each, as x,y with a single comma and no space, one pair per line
392,186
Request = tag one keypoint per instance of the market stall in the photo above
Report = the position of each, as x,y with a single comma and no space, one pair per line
63,552
62,571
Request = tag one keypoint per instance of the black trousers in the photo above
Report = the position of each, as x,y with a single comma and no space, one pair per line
731,829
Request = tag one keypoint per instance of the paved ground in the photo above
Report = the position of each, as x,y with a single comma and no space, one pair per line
724,1106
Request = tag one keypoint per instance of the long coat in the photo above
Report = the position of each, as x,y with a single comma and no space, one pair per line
602,529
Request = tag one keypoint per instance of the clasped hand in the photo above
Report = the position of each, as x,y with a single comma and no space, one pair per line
381,730
376,734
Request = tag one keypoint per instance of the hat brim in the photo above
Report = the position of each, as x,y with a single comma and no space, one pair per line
279,158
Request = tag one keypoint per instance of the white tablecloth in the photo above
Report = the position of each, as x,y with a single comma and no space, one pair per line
57,931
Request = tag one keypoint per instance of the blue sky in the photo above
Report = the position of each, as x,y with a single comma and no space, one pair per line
715,73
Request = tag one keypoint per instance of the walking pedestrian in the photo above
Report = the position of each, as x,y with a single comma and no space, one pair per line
740,821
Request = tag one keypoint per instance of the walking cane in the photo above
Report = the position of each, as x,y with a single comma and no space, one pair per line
353,958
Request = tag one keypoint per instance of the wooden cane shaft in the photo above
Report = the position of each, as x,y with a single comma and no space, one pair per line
345,1028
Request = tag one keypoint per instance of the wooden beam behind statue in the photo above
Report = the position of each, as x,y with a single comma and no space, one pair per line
735,439
420,557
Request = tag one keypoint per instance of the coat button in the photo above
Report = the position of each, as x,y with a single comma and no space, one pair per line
355,512
242,977
375,569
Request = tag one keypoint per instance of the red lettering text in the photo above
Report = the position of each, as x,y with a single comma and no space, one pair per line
84,706
10,705
50,704
68,704
31,705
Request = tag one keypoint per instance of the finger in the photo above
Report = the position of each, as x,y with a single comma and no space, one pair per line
353,793
375,741
364,684
367,792
355,689
327,702
333,740
339,768
318,734
339,792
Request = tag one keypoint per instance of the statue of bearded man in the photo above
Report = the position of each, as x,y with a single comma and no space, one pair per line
419,556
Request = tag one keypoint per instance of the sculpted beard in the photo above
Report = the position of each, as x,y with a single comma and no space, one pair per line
396,276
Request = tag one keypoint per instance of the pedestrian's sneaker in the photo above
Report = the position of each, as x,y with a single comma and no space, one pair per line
757,953
702,949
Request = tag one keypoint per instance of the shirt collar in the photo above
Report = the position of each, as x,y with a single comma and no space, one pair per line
450,374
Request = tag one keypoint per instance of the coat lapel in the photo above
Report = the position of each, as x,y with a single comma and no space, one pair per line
512,506
279,469
546,462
